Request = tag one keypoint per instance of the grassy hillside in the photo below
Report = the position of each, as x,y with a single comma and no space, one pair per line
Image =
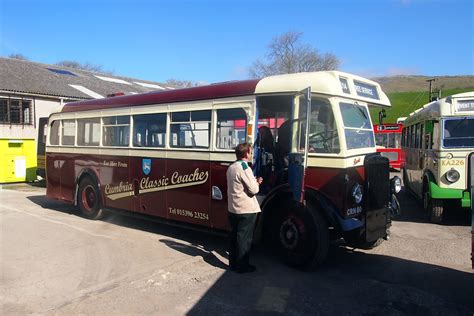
403,103
418,83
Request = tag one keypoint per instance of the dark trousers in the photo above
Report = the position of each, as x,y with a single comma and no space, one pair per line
240,239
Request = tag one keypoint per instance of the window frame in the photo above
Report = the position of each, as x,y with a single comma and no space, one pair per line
134,126
117,125
23,104
209,129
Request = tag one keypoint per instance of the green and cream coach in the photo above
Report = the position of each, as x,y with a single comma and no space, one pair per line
437,142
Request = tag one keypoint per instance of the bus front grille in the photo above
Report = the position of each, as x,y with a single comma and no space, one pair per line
377,182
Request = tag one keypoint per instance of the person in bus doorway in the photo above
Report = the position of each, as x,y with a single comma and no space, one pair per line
243,207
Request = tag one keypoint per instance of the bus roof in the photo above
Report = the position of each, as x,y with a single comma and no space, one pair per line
322,82
455,105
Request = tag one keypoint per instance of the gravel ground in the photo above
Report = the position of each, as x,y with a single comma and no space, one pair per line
55,262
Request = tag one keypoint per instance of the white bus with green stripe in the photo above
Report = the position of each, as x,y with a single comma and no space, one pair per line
437,143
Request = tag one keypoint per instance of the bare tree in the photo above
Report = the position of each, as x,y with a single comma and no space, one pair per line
286,54
85,66
17,56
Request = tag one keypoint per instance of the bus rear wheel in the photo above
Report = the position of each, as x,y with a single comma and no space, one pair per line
88,199
435,207
301,237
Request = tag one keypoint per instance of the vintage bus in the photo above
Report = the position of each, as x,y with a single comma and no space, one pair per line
388,141
165,155
437,141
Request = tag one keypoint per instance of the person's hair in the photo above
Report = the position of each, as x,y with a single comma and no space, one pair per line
242,149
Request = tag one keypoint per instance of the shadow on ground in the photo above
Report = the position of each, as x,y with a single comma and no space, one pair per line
350,282
412,211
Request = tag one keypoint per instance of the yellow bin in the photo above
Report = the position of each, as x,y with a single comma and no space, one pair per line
17,160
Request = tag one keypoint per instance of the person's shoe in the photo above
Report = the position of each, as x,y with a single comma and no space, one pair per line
247,269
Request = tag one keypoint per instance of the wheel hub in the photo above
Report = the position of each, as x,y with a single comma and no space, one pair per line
289,234
88,198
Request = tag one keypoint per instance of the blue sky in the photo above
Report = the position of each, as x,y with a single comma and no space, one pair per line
212,41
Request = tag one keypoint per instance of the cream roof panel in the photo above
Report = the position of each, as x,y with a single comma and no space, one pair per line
323,82
440,108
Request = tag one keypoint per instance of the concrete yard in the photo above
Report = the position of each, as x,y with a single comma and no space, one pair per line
56,262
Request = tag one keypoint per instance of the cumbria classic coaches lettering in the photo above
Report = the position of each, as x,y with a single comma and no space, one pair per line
148,185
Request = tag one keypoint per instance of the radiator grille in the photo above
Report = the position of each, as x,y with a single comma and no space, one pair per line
377,185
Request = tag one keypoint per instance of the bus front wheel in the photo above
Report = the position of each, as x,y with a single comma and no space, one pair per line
434,207
88,199
301,237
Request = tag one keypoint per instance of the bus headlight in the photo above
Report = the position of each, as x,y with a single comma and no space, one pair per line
395,184
452,175
357,193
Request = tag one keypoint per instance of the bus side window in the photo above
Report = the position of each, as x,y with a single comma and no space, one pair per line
68,132
149,130
428,135
88,132
231,128
116,131
419,134
54,137
190,129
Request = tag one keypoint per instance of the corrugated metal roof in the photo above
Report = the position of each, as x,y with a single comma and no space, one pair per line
50,80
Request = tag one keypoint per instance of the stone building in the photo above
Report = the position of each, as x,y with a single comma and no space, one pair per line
30,91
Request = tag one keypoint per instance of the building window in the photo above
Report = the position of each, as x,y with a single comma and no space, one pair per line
16,111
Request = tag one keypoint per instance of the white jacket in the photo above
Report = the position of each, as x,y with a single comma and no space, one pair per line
241,189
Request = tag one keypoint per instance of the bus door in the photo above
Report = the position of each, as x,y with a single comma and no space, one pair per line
232,128
298,156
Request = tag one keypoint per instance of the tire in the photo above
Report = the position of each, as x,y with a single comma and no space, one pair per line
434,207
437,209
88,199
301,237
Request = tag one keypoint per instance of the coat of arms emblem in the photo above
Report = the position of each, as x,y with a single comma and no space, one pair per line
146,166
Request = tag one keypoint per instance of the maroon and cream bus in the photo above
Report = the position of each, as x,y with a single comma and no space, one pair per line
164,155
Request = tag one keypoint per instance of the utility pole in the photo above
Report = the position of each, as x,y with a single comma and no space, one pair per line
431,89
